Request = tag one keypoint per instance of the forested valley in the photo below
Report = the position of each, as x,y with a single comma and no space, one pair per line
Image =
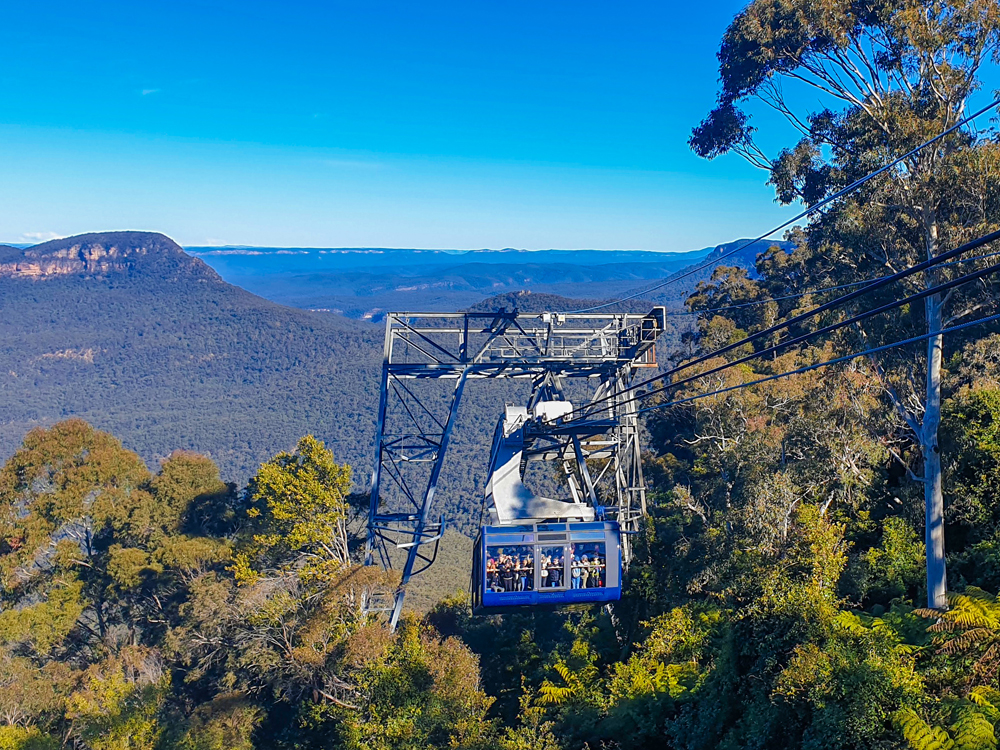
779,595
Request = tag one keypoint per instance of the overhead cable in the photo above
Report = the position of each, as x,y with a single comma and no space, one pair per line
797,295
839,301
827,363
798,217
833,327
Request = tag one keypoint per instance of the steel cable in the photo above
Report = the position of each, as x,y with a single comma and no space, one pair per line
827,363
804,214
832,304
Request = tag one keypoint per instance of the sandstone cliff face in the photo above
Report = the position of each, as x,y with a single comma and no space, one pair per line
104,255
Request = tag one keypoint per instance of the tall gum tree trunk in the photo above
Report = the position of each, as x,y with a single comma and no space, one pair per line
937,578
933,496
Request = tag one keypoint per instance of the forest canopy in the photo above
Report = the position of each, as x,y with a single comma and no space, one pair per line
146,610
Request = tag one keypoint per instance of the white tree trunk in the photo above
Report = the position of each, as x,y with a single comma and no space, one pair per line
937,575
933,497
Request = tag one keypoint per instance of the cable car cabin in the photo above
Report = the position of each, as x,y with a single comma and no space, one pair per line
546,565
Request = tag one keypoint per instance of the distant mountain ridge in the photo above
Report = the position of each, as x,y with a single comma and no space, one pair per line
388,255
104,255
746,251
531,302
364,283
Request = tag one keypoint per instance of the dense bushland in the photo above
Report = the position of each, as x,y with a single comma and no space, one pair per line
148,610
776,597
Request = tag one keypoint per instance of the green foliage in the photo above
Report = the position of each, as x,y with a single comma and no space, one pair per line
665,667
21,738
119,704
533,732
227,722
920,735
70,474
897,564
94,552
127,622
572,688
299,514
419,692
888,76
973,728
787,503
45,625
971,440
848,687
969,627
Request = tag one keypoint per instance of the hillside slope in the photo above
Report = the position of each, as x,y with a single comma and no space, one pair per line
127,331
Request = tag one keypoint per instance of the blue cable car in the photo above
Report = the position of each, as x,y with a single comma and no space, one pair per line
546,565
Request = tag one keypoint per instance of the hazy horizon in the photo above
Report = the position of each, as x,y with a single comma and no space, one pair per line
236,248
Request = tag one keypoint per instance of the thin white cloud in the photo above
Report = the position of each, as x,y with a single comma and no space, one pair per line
228,251
39,236
147,92
350,164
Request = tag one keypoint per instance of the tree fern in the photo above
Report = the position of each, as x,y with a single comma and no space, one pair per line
973,726
973,731
551,694
921,735
988,699
862,624
971,624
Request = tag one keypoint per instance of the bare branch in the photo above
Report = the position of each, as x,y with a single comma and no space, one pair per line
909,471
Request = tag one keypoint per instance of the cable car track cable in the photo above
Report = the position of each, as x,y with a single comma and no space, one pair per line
804,214
827,363
797,295
830,328
832,304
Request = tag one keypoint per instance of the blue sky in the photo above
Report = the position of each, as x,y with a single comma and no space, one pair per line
398,124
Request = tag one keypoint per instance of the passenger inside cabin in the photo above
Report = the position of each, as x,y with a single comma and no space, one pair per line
507,574
555,572
527,571
492,580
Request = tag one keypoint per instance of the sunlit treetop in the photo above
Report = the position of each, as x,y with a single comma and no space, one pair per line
904,68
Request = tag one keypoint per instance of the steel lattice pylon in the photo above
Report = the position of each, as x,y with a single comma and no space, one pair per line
416,417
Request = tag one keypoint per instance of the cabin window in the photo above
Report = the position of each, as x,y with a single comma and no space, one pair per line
589,565
552,567
510,568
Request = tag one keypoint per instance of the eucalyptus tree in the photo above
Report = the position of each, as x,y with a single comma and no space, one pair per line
888,75
95,565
